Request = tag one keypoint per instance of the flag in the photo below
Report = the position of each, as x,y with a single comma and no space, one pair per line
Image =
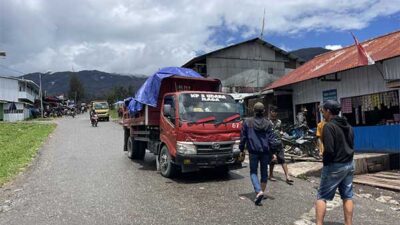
363,57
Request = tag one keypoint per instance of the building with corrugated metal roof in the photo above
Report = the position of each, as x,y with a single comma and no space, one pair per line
245,67
369,95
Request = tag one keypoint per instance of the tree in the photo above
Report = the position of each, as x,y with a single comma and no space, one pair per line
76,90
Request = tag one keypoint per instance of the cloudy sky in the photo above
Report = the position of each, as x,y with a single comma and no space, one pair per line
140,36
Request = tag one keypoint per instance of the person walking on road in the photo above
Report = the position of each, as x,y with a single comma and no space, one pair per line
338,169
259,138
280,153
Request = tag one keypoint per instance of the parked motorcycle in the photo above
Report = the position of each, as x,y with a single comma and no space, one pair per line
300,141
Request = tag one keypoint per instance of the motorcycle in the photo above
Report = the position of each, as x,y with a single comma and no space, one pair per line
94,120
300,141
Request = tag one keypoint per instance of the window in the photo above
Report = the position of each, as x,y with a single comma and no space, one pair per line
270,70
170,100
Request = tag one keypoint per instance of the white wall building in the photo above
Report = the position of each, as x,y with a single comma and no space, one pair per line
245,67
16,97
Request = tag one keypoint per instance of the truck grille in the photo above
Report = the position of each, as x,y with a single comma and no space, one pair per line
213,148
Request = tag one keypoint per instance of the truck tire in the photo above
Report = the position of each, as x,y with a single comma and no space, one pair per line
167,168
126,136
140,150
131,145
136,149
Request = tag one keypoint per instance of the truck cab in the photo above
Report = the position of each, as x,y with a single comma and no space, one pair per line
199,130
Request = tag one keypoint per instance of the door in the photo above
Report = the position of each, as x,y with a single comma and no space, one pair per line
167,124
1,112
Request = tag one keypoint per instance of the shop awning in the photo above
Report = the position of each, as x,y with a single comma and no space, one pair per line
393,84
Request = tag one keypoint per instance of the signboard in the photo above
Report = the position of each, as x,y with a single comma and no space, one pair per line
329,95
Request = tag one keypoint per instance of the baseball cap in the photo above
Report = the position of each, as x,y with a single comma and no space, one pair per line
333,106
258,107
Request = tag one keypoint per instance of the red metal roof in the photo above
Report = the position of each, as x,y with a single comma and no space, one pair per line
379,48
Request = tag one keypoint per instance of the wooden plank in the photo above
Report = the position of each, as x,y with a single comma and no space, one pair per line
386,176
377,184
391,173
373,179
383,181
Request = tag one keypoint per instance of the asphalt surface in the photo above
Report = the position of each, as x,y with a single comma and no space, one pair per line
82,176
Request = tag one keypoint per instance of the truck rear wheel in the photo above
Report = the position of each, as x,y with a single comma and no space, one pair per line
140,150
136,149
167,168
126,136
131,145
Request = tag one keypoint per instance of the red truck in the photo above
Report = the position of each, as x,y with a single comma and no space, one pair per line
193,126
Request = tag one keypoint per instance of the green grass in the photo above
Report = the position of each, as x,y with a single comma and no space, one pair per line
113,114
19,143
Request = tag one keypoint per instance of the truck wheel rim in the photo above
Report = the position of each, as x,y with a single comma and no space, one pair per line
163,161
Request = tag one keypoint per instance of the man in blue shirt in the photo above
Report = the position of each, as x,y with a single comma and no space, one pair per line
259,138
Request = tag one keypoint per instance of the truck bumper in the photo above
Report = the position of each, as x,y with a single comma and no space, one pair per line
191,163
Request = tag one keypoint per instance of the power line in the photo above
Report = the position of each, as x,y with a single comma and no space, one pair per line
8,68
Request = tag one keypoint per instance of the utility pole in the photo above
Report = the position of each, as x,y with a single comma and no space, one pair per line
40,94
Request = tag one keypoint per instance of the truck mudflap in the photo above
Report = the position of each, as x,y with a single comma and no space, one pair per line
191,163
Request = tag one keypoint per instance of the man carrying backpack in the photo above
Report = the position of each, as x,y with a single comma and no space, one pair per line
338,169
257,134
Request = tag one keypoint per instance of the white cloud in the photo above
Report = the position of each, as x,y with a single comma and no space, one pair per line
140,36
333,47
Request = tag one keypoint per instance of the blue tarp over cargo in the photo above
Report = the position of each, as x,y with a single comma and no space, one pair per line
148,92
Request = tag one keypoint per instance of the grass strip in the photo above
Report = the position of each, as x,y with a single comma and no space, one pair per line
113,114
19,144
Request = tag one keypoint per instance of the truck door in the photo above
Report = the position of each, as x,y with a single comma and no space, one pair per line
167,124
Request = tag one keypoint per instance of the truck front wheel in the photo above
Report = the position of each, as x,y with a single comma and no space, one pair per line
167,168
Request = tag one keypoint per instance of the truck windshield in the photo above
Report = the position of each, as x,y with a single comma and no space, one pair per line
196,106
101,105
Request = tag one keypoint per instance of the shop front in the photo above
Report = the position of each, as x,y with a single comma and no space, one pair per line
376,120
281,99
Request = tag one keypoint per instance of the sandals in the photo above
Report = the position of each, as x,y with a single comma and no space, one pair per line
289,181
272,179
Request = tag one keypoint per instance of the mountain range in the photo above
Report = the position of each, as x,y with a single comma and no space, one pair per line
97,84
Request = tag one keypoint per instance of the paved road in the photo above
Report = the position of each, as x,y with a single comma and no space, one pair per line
82,176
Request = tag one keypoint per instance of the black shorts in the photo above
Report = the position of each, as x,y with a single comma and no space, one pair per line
280,157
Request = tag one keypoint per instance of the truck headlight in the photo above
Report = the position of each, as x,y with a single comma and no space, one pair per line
186,148
235,147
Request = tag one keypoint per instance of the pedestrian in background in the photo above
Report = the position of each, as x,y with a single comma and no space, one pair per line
259,138
338,169
319,133
280,153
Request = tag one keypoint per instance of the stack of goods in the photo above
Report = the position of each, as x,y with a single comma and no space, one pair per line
370,102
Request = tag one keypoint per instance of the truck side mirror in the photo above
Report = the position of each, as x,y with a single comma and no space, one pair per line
167,110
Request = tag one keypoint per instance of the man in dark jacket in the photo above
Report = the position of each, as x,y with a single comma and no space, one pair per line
257,134
338,169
